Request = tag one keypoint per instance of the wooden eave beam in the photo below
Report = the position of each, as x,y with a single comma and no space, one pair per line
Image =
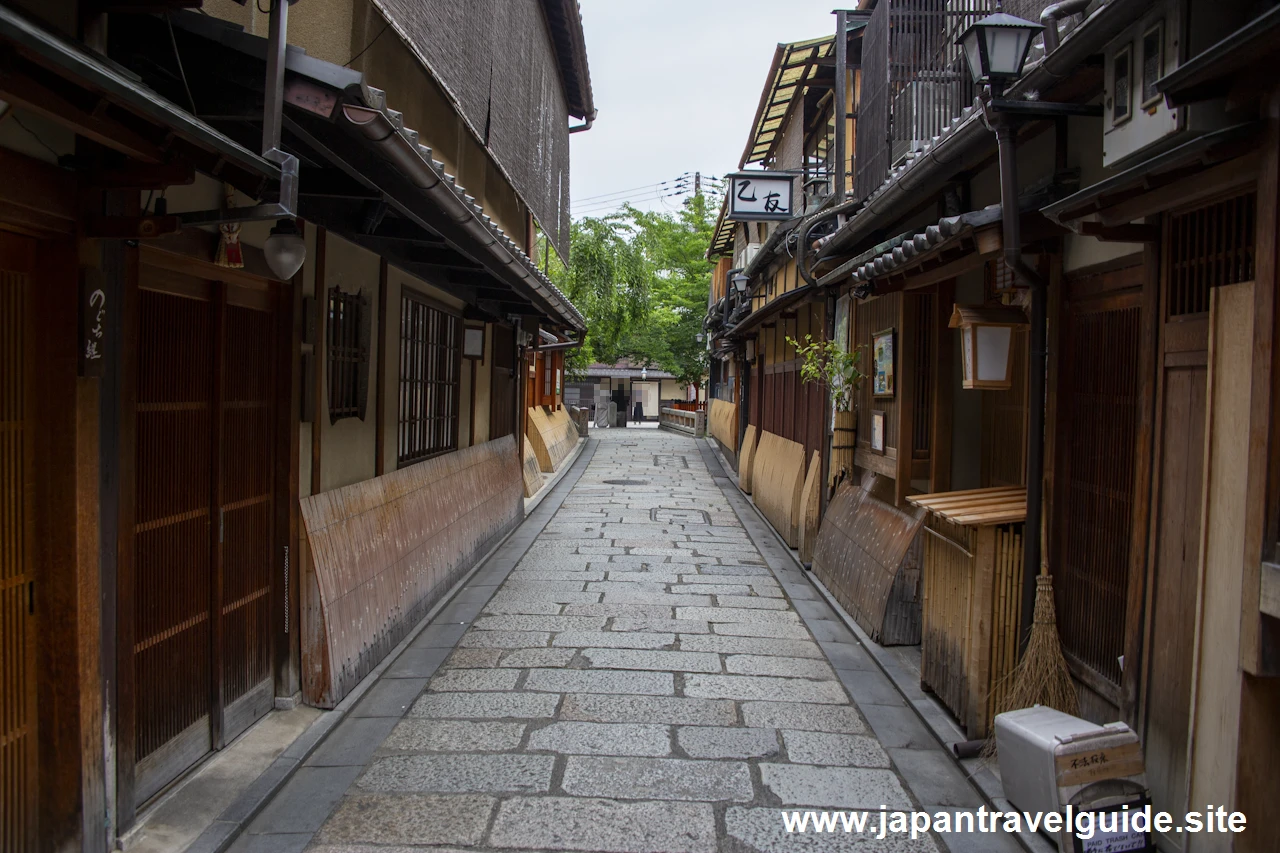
93,123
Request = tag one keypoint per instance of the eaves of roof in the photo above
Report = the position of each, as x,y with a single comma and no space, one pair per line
564,18
364,111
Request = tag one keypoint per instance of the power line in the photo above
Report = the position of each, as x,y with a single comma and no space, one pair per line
656,186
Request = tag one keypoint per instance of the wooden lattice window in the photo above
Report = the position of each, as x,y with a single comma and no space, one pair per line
1209,247
430,367
347,336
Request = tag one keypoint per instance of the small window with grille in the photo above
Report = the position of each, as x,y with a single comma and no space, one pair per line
347,337
1209,247
430,367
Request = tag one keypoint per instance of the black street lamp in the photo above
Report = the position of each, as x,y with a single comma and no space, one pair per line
996,47
740,282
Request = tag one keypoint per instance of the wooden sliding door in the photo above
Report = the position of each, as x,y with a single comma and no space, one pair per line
197,669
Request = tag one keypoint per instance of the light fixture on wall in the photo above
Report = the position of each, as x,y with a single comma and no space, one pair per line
996,47
644,374
285,249
986,338
700,337
740,282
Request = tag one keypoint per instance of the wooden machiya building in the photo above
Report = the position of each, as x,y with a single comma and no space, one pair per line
1150,214
191,437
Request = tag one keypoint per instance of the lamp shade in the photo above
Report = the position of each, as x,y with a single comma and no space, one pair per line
285,250
740,283
996,47
986,339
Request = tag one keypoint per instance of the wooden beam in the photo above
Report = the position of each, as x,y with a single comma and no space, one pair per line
380,384
18,89
318,361
1129,233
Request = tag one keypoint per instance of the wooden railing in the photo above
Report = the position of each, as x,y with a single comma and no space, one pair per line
693,423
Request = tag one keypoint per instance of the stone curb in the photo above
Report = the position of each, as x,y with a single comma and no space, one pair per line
228,826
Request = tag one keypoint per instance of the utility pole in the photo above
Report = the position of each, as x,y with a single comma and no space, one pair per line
697,183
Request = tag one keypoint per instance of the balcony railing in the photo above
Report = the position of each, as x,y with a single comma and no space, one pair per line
914,79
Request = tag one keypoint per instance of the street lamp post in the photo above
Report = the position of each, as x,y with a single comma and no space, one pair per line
995,49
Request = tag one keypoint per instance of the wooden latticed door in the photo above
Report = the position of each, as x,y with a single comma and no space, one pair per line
1207,247
17,620
199,590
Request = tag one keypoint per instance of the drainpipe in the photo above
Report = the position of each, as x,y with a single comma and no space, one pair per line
586,125
1052,14
1007,145
842,73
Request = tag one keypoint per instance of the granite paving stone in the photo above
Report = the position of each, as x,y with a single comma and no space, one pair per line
751,646
600,681
527,658
786,667
459,773
643,659
583,738
604,826
648,709
540,623
418,735
618,640
812,718
476,679
657,778
834,749
485,705
724,742
413,819
763,687
834,787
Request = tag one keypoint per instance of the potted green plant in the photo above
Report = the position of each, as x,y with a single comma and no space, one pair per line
827,362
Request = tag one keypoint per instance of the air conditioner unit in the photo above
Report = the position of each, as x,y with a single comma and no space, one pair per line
746,255
1135,118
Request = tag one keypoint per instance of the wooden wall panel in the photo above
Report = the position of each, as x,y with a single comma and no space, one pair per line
723,420
777,482
868,555
383,552
553,435
746,459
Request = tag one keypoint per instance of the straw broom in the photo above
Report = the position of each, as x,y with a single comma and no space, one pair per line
1042,676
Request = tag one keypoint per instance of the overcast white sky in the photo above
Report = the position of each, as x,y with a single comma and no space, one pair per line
676,84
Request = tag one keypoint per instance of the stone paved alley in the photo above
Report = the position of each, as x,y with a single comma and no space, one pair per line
650,674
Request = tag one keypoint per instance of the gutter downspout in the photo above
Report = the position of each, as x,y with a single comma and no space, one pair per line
586,125
1052,14
842,74
1007,145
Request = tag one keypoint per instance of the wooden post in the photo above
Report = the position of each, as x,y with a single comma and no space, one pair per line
978,664
321,307
905,382
288,406
380,385
943,390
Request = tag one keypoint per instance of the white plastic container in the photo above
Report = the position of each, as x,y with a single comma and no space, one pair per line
1050,760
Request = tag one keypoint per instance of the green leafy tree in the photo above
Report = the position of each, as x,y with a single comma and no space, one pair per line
641,280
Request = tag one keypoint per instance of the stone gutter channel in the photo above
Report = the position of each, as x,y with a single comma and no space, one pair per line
897,686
